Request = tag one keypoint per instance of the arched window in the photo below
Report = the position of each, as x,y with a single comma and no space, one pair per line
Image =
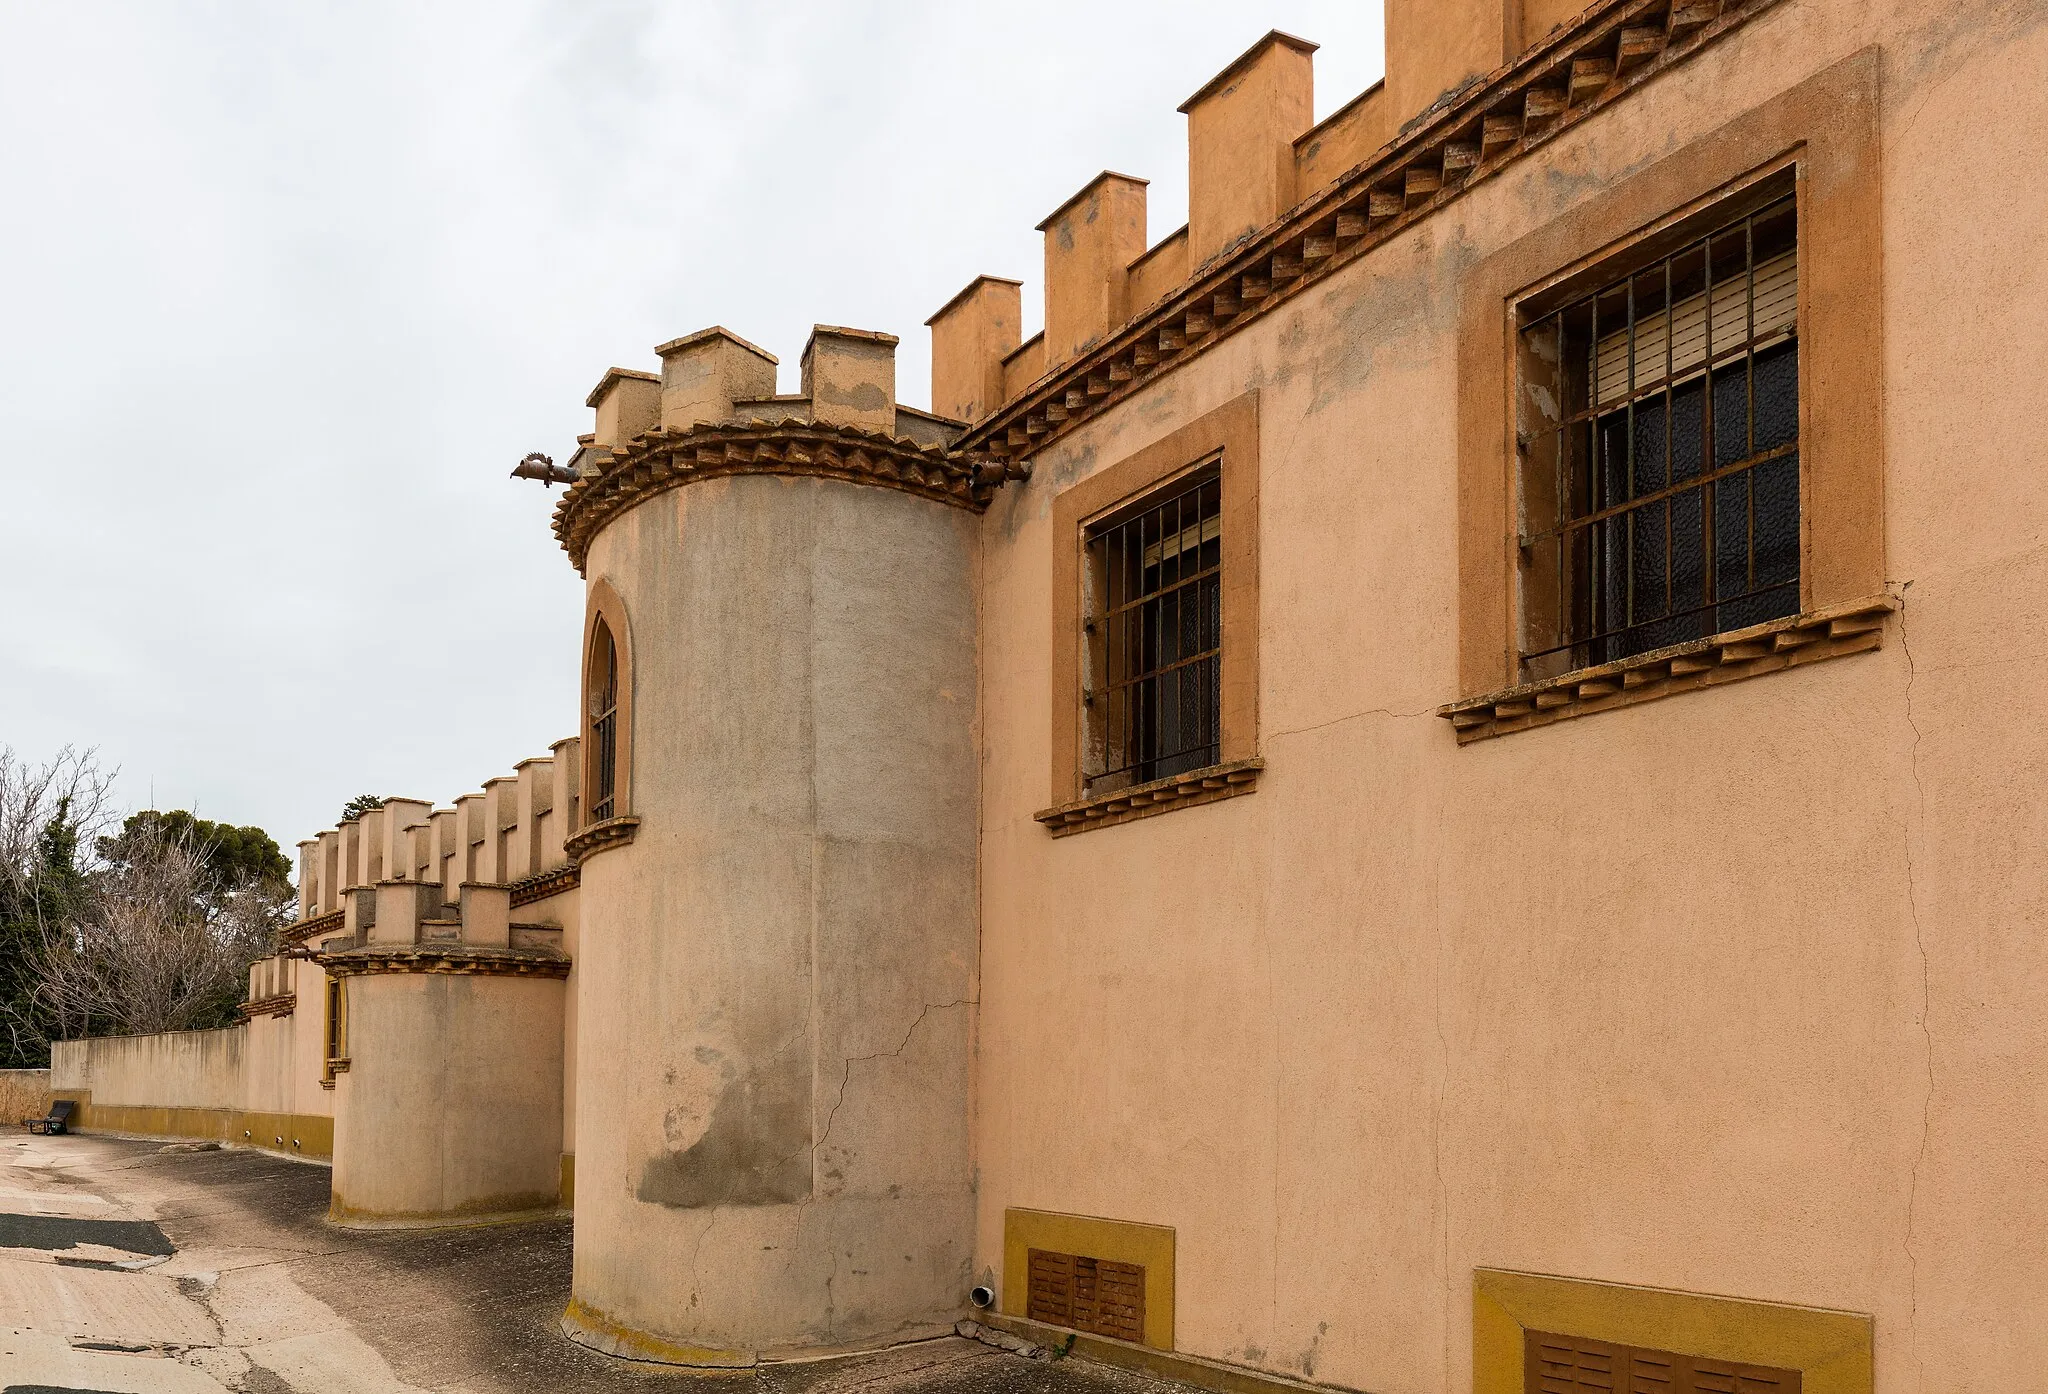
604,723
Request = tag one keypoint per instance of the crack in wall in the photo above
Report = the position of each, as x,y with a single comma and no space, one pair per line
846,1072
697,1252
1926,996
1354,716
825,1133
1443,1084
1279,1106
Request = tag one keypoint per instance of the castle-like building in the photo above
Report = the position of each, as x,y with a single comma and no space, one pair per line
1437,787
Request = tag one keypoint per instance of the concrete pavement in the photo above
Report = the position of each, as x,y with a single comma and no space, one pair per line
132,1269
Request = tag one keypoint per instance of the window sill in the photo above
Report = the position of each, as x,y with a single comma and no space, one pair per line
1838,630
1161,795
598,837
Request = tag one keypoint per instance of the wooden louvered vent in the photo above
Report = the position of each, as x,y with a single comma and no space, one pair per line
1572,1364
1094,1295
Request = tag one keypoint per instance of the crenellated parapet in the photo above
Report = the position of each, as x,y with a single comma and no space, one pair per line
440,935
713,413
1277,204
663,460
512,834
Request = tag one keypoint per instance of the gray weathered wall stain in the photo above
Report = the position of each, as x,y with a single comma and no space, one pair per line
756,1149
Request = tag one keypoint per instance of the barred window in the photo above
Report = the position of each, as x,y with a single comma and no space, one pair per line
1152,617
604,722
1660,450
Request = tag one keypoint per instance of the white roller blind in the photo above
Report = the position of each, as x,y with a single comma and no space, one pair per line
1777,309
1193,535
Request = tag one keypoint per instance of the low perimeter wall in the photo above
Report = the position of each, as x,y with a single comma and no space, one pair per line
23,1094
179,1084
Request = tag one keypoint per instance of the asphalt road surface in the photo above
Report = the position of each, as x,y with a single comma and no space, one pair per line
128,1269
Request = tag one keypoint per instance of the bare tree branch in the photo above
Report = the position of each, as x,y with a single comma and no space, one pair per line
71,787
148,941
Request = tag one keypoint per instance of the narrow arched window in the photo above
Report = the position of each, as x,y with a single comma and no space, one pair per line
604,723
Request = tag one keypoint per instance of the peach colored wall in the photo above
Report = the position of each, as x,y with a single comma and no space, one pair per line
1090,242
1736,992
1434,48
272,1066
784,953
451,1107
1023,365
282,1057
1342,139
1539,17
168,1070
1162,269
565,911
1241,132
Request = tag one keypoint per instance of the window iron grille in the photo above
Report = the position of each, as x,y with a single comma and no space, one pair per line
604,724
1660,451
1154,636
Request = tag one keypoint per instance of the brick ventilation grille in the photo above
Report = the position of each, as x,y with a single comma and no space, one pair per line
1571,1364
1088,1294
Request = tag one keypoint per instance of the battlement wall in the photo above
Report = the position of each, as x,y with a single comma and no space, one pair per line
510,831
1255,152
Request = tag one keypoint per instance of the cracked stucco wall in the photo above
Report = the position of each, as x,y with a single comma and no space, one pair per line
778,974
452,1102
1735,993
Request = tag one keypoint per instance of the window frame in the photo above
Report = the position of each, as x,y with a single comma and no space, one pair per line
1102,730
1228,438
605,607
1765,190
334,1029
1824,130
602,721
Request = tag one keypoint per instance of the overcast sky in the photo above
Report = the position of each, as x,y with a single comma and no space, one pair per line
286,290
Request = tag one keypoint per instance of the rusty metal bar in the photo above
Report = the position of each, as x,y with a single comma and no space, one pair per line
1159,696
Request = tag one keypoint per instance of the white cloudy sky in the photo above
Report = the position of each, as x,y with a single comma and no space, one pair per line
286,289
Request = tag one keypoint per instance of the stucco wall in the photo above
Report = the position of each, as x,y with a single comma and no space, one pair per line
176,1069
284,1056
565,910
242,1084
786,951
1735,992
452,1103
23,1094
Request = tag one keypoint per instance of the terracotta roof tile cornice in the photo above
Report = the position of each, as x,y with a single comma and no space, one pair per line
446,958
282,1004
541,885
299,931
1582,68
665,459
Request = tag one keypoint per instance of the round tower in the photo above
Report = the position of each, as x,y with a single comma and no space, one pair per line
778,860
443,1022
